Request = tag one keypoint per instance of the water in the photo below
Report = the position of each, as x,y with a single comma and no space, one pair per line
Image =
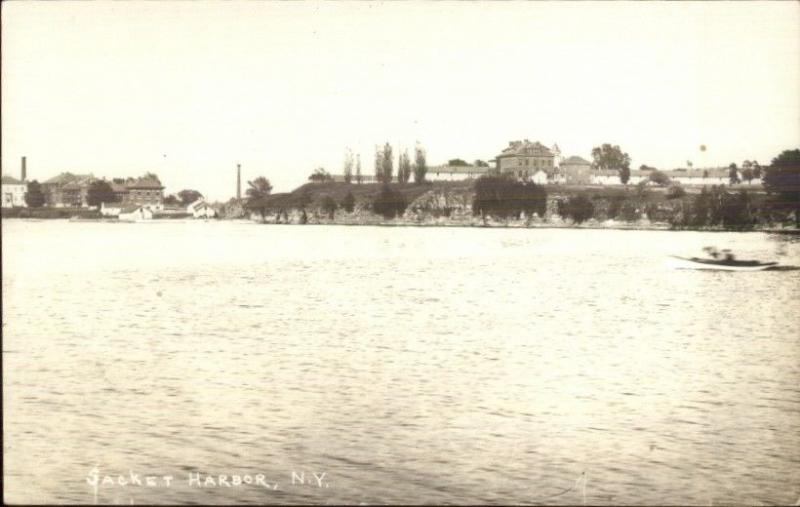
421,365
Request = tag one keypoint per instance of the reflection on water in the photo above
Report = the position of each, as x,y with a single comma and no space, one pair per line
406,364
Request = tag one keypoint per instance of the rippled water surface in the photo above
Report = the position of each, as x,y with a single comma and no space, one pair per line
406,364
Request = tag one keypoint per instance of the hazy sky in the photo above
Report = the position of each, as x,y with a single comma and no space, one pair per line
189,89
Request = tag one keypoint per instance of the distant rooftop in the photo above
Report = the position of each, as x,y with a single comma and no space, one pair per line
525,147
145,183
10,180
575,160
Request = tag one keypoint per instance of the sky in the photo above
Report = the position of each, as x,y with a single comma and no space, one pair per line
189,89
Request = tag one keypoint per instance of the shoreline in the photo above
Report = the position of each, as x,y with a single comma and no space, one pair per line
653,226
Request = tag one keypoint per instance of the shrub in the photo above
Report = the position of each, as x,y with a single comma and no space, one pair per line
579,208
349,202
675,192
389,203
503,196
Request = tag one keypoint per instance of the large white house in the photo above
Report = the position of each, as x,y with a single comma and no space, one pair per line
13,192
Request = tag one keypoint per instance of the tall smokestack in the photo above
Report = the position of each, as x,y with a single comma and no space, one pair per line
238,181
24,170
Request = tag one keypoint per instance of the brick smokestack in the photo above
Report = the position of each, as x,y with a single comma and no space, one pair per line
238,182
24,171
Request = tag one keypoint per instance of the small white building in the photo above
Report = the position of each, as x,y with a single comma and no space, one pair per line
136,213
201,209
111,209
540,177
13,192
455,173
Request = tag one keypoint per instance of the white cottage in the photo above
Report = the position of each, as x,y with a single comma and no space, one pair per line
201,209
13,192
111,209
136,213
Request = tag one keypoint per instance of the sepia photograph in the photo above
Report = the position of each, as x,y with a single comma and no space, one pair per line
400,252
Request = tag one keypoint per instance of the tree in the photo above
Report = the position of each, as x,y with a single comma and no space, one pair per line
320,175
99,192
420,167
480,163
258,188
659,178
504,196
358,169
611,157
747,175
625,175
456,162
348,166
733,174
675,192
389,203
151,176
188,196
349,202
171,200
579,208
34,197
782,182
404,167
387,164
329,206
644,167
378,163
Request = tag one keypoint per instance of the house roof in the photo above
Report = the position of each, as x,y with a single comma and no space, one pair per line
10,180
145,183
525,147
575,160
118,187
68,177
459,169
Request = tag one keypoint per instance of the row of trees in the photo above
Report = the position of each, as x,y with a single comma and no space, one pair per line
384,165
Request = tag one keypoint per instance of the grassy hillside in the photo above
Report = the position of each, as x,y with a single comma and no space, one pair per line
312,194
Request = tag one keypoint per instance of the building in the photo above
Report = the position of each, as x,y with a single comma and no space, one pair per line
365,178
111,209
576,171
524,158
201,209
67,190
145,192
133,213
455,173
13,192
119,189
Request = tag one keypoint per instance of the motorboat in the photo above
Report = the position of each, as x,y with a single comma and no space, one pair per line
720,264
720,260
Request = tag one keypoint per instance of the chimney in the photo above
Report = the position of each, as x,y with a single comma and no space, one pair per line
24,170
238,182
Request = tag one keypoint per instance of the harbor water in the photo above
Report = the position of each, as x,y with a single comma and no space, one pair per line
332,364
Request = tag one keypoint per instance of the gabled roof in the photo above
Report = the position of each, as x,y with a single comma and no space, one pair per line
575,160
10,180
525,147
145,183
68,177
